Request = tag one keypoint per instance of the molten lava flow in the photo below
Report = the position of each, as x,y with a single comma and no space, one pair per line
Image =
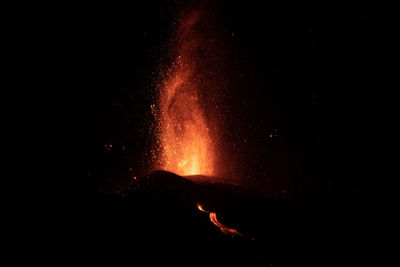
186,146
224,229
200,207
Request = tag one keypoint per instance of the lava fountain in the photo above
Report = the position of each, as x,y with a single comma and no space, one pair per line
190,110
186,142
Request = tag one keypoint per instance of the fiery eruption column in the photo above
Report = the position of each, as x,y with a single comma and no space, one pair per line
186,144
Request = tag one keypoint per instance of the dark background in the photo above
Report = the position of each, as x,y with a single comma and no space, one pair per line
85,78
305,70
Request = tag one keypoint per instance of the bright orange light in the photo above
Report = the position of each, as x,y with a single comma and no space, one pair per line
224,229
201,208
184,136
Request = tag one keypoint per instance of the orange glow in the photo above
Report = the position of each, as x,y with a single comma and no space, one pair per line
224,229
186,146
201,208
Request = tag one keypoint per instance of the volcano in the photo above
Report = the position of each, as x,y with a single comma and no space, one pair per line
165,218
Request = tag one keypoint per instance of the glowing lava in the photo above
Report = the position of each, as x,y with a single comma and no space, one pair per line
224,229
186,146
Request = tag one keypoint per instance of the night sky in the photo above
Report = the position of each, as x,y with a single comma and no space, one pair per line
299,70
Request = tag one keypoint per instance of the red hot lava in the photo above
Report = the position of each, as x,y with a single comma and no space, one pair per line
187,145
188,119
224,229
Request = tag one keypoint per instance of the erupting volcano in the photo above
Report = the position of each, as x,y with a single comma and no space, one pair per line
186,141
188,110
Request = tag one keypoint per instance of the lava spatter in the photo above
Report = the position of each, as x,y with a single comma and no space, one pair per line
186,143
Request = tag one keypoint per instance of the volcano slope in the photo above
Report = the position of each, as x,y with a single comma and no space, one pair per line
157,221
